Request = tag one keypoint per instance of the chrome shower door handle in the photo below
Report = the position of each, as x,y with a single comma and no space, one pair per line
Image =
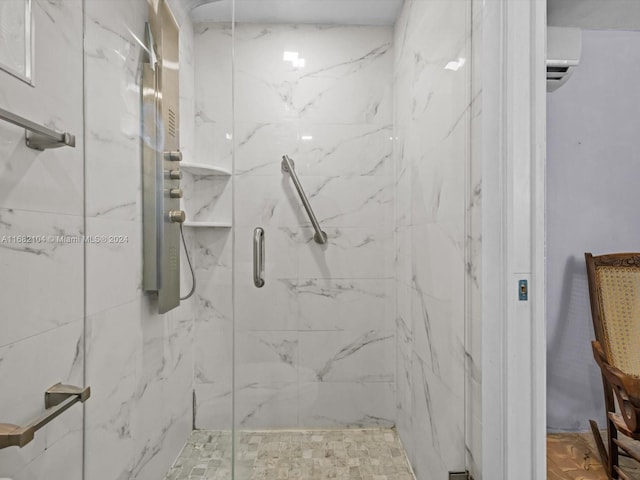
258,257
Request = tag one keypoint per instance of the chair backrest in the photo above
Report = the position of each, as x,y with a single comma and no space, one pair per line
614,290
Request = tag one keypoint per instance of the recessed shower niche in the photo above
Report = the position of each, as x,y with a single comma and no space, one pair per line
207,200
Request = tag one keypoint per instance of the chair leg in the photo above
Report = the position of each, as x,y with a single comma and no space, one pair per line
611,465
609,459
613,451
604,456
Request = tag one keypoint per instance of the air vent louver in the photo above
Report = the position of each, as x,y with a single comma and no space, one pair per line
563,55
172,123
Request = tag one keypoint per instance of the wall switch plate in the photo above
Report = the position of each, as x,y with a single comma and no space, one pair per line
523,290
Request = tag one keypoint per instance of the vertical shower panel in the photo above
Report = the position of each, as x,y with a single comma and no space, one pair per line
161,157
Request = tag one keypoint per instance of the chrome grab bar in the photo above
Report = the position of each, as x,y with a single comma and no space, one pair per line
57,399
289,167
258,257
38,137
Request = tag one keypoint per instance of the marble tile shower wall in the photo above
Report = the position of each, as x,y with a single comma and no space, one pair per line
42,288
316,345
431,156
473,343
213,347
138,363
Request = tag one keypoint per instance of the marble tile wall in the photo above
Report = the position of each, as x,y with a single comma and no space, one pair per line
473,343
436,193
213,247
138,363
41,337
314,347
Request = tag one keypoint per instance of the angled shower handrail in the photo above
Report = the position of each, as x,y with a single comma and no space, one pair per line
38,136
289,167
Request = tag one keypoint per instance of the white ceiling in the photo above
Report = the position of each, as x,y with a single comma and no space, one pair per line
587,14
594,14
329,12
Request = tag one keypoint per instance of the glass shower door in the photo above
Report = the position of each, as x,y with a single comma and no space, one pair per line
315,345
208,204
347,339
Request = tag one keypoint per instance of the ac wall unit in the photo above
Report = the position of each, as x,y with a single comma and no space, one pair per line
564,46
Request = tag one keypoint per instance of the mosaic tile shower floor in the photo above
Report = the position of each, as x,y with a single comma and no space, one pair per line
354,454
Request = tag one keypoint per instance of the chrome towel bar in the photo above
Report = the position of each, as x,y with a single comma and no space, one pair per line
289,167
37,136
57,399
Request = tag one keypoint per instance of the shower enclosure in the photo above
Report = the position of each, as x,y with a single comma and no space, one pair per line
376,327
371,101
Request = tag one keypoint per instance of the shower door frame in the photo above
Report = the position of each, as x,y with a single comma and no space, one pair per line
513,172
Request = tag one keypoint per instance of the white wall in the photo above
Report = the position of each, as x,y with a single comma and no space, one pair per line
434,194
594,14
592,168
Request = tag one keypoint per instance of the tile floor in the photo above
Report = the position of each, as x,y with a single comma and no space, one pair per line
365,454
345,454
574,456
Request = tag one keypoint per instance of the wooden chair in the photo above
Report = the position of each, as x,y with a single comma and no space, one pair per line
614,290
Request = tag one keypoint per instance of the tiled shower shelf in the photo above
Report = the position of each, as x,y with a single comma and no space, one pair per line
208,224
202,169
